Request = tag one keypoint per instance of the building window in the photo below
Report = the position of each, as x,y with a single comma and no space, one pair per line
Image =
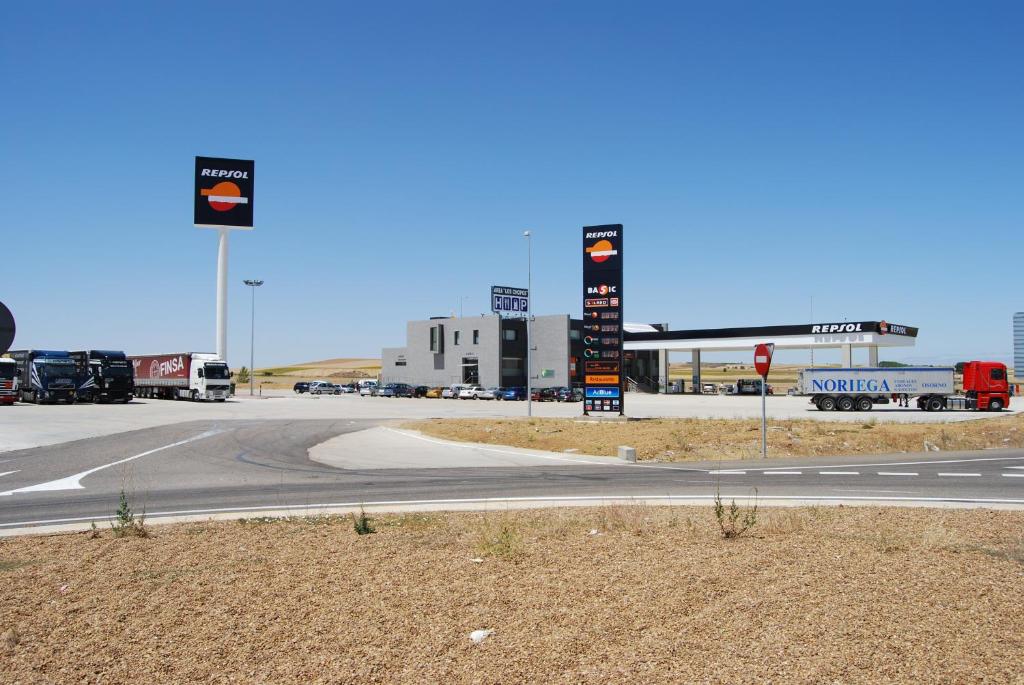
510,334
437,339
476,337
456,341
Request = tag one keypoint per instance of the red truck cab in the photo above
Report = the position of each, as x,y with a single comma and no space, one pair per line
987,384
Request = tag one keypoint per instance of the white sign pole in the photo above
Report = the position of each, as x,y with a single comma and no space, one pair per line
764,420
222,296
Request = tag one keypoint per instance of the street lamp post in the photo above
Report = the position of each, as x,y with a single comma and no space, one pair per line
252,283
529,319
461,300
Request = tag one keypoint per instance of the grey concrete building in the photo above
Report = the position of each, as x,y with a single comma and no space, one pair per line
486,350
1018,345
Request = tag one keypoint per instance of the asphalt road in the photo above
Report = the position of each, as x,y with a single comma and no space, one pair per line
205,467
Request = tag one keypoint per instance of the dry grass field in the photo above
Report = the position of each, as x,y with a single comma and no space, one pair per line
344,370
621,594
699,439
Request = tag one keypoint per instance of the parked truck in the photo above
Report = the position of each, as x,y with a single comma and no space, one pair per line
182,376
104,376
8,380
985,387
45,376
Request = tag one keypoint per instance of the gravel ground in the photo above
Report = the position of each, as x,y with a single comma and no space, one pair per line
698,439
618,594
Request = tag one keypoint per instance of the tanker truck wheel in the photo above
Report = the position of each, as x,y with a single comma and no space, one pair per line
827,404
864,404
845,403
995,405
935,404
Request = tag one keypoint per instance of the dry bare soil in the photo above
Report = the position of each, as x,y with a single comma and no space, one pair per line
622,594
701,439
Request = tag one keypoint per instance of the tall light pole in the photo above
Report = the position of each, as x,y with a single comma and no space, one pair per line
461,300
529,318
252,283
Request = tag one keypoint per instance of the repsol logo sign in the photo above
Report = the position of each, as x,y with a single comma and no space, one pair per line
850,385
602,234
224,173
837,328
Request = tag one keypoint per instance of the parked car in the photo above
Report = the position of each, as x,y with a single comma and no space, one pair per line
420,391
301,387
470,392
367,388
404,390
434,393
544,395
489,394
323,388
513,394
348,388
452,391
570,394
709,388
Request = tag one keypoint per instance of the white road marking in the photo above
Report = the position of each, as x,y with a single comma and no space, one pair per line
910,463
838,473
7,473
783,473
74,482
727,472
960,475
1013,475
897,473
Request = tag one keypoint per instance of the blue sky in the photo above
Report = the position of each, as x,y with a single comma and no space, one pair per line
868,155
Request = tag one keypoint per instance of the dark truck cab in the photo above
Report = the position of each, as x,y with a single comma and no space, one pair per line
104,376
46,375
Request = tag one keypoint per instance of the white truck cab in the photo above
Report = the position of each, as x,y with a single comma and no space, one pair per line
209,378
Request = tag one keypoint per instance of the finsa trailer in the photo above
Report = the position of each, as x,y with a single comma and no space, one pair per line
182,376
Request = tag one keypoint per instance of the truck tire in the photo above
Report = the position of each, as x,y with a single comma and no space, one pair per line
864,403
935,404
995,404
827,403
845,403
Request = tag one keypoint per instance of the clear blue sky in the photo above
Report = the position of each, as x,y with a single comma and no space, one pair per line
867,154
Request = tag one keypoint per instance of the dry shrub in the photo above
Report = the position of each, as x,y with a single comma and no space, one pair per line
499,537
937,537
785,521
11,639
632,518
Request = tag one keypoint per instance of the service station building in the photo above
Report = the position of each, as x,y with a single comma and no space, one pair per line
491,350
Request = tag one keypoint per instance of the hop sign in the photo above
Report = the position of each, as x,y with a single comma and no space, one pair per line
763,358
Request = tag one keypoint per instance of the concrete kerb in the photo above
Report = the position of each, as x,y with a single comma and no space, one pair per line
84,524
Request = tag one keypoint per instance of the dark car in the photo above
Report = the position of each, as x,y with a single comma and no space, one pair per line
544,395
513,394
301,387
420,391
570,395
404,390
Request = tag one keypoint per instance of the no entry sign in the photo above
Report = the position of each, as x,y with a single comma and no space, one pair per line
763,358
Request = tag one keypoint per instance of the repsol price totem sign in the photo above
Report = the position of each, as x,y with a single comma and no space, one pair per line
602,320
223,193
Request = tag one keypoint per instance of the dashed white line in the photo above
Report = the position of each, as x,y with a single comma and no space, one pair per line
727,472
7,473
960,475
783,473
1013,475
838,473
897,473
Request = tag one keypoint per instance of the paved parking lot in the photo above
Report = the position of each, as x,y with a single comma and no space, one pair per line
26,425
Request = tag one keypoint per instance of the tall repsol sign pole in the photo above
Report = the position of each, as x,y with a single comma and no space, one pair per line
223,200
602,320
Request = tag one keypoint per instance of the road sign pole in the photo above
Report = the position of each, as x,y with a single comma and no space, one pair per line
764,420
222,296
